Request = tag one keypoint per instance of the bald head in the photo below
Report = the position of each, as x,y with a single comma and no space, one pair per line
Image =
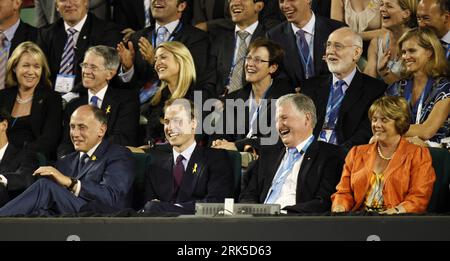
343,50
87,127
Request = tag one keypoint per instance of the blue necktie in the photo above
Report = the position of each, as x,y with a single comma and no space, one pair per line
332,113
305,55
94,101
67,59
161,35
280,177
82,162
3,59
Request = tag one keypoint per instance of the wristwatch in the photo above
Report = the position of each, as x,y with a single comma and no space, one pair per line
72,184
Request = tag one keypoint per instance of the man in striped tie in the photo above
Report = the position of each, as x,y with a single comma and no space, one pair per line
300,173
435,14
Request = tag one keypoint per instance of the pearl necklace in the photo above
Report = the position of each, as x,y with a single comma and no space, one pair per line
22,101
381,155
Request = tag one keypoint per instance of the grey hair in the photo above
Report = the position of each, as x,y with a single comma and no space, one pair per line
109,54
301,103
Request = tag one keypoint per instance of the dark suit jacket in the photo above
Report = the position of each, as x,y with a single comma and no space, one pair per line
318,176
122,110
222,52
279,88
321,7
24,32
105,181
46,117
95,31
17,166
292,65
353,125
198,44
212,180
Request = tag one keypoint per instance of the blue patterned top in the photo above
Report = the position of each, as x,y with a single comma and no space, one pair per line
439,90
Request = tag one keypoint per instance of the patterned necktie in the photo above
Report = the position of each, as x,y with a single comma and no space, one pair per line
178,171
82,162
280,177
3,59
161,35
94,101
237,69
147,12
67,59
332,113
305,55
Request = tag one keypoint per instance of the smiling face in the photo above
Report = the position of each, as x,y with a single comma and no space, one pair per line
383,128
341,53
28,71
94,74
72,11
85,130
414,56
429,15
392,14
245,12
179,127
257,67
297,12
293,126
166,11
166,66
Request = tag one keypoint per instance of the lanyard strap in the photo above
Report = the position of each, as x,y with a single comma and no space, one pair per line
417,108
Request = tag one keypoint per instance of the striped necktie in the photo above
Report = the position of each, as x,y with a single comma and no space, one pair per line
3,59
161,35
67,59
238,68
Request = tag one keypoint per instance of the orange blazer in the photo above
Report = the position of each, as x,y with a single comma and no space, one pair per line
409,178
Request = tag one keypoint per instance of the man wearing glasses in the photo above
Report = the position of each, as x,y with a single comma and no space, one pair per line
121,106
343,97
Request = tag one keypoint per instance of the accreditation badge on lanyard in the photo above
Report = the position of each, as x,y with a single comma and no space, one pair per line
64,83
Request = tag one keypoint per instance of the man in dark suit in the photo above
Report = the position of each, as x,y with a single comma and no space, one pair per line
65,42
97,177
435,14
12,32
343,98
16,166
302,37
302,174
225,47
191,173
137,56
121,106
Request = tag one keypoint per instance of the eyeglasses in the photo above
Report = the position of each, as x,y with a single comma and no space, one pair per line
91,67
337,46
255,60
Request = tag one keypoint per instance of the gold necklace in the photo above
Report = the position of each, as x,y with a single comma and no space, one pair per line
381,155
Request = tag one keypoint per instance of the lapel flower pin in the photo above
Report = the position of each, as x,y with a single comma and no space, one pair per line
108,109
194,169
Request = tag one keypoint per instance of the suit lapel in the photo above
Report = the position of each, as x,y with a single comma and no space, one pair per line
8,157
60,39
229,47
36,110
352,95
322,94
319,49
96,157
397,160
293,58
271,169
308,159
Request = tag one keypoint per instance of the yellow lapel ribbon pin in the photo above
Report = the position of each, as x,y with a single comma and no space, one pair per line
108,109
194,169
93,158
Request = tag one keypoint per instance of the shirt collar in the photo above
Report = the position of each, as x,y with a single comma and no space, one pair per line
91,151
9,33
187,153
100,94
78,26
308,28
302,144
347,79
170,26
446,37
3,150
250,29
